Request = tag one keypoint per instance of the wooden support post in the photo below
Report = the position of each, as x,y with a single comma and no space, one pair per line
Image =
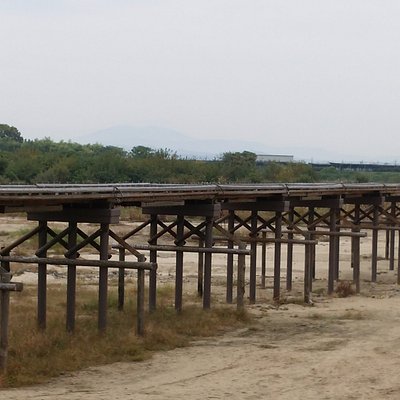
277,257
387,245
121,280
355,250
140,301
179,264
332,252
289,268
253,258
153,258
307,271
263,259
337,244
241,278
392,238
4,316
71,280
207,264
200,270
5,287
42,280
229,269
311,216
374,261
398,261
103,279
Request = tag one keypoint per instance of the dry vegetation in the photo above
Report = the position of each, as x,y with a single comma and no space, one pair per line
36,356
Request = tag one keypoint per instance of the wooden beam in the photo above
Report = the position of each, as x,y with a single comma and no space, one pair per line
188,210
12,286
371,200
81,262
264,205
89,215
323,203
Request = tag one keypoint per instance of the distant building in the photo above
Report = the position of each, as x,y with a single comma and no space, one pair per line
280,158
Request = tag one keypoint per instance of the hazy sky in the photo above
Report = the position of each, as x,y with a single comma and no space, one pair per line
320,73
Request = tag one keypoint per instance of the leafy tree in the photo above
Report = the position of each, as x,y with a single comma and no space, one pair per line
236,166
141,152
10,132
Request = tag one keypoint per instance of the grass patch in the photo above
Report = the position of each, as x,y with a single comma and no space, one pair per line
350,315
345,289
36,356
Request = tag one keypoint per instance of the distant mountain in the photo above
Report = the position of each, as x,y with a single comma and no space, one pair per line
159,137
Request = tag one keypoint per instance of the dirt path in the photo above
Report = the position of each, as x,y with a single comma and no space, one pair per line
338,349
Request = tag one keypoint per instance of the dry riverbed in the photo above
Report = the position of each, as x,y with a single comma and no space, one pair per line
339,348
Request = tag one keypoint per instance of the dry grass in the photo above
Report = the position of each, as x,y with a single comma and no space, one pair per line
36,356
344,289
350,315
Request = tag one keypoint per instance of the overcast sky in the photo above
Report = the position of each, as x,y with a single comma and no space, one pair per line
320,73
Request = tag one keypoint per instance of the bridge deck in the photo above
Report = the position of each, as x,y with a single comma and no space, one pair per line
128,194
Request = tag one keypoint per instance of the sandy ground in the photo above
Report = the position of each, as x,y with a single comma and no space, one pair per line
339,348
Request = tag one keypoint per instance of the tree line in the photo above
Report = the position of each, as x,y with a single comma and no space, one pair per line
46,161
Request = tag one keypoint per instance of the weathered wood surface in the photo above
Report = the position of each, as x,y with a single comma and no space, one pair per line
12,286
81,262
5,287
191,249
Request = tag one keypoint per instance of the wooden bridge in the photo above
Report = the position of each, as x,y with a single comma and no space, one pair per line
237,220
